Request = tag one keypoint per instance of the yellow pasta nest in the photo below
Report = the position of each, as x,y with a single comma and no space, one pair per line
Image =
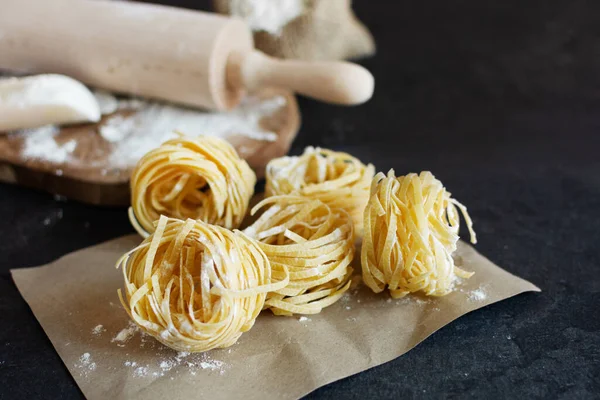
201,178
410,232
335,178
314,243
195,286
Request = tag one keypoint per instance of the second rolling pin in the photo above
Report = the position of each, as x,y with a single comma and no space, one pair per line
189,57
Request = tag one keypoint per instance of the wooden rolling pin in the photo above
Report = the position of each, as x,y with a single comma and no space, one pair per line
189,57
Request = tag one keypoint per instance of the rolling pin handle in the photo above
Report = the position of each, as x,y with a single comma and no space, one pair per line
333,82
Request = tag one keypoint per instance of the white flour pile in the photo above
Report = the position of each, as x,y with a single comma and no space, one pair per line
155,123
152,124
40,144
478,295
267,15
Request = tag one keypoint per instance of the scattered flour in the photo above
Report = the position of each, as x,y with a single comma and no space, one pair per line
116,128
140,371
345,299
267,15
303,319
85,358
85,364
182,361
165,359
411,300
478,295
125,334
156,123
40,144
57,216
153,123
166,365
212,365
98,329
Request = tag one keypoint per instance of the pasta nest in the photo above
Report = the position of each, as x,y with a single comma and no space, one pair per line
195,286
411,230
311,240
202,178
335,178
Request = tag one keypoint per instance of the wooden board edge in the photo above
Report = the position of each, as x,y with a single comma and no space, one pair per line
74,189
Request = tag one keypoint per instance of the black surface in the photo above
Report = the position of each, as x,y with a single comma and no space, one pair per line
500,100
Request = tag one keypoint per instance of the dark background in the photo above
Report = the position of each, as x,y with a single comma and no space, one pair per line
500,100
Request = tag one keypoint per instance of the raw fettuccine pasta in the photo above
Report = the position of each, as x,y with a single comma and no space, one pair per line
335,178
410,232
195,286
201,178
314,242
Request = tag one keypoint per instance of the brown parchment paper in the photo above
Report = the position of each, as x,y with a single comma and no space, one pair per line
280,358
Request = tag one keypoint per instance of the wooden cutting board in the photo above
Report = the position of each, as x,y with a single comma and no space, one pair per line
89,175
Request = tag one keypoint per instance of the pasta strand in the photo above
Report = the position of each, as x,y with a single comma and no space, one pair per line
311,240
201,178
411,231
337,179
195,286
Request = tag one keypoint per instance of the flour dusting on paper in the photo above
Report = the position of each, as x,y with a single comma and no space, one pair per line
165,360
477,295
98,329
125,334
85,364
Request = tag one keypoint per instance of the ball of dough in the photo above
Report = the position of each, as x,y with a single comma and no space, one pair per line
195,286
337,179
311,240
410,232
201,178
